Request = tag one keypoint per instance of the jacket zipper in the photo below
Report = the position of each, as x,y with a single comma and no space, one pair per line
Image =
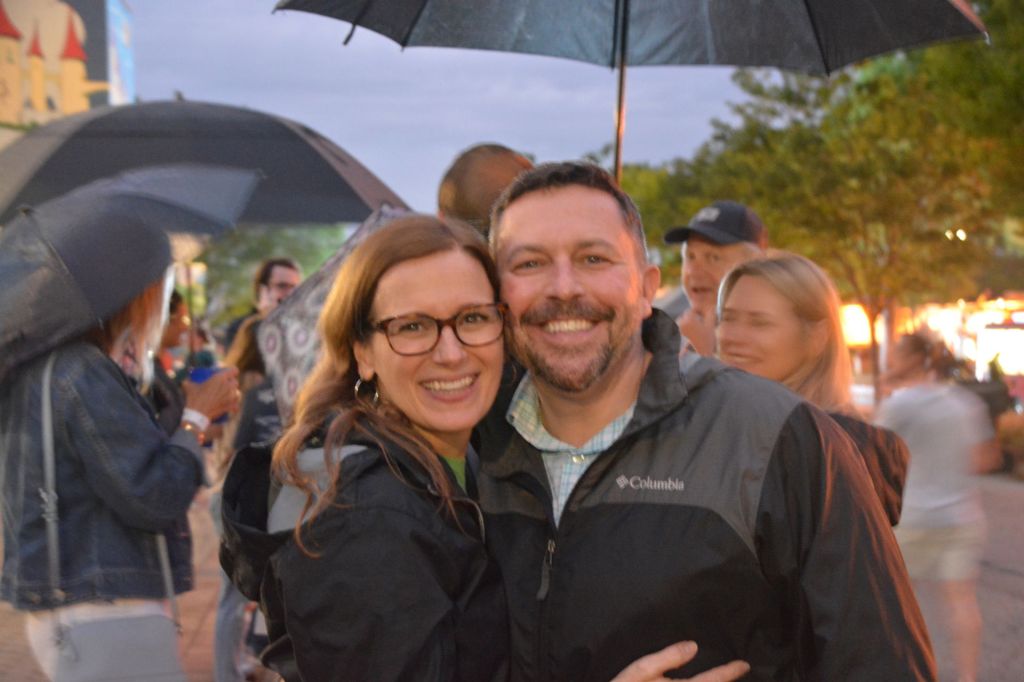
549,558
545,570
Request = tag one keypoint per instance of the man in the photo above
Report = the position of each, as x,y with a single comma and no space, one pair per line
718,238
631,505
274,280
475,179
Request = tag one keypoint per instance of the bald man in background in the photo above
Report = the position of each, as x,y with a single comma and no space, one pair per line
473,182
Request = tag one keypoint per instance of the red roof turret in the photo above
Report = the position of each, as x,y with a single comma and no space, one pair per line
7,29
34,50
72,45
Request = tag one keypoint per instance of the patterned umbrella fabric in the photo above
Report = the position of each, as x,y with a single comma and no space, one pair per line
288,336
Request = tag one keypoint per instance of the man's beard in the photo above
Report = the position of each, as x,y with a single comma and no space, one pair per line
545,366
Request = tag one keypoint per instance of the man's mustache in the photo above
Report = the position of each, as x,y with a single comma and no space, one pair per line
553,310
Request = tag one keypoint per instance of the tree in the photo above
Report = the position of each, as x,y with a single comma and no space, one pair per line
857,172
982,89
232,260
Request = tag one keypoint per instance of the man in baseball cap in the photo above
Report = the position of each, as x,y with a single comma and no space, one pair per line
717,239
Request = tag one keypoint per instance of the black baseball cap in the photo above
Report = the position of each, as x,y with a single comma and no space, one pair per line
723,222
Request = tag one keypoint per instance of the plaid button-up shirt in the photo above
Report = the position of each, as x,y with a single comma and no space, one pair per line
564,463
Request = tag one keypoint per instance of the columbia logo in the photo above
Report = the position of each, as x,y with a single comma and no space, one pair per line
648,483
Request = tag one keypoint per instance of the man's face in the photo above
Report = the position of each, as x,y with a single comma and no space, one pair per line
281,283
705,264
576,285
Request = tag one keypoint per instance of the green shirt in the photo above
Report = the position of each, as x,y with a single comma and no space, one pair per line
458,467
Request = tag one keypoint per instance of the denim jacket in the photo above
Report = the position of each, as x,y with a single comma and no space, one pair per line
119,480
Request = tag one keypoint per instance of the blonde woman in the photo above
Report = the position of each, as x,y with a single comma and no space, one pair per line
779,318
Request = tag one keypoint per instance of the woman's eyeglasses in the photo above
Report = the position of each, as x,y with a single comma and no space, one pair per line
476,325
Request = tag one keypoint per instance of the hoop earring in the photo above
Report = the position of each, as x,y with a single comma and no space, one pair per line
358,388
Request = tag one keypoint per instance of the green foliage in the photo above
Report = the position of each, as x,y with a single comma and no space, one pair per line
232,260
868,172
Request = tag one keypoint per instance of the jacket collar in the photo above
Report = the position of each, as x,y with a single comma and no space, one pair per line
661,391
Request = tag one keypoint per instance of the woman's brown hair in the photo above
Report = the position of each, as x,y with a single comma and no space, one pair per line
329,394
244,352
932,354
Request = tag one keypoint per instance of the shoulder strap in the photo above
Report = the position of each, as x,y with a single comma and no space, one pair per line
49,491
49,496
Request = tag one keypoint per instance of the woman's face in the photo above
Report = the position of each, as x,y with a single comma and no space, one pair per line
447,390
760,332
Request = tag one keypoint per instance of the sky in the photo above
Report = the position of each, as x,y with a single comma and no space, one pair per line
407,114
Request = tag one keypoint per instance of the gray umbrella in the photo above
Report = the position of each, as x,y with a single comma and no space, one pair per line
811,36
307,178
70,263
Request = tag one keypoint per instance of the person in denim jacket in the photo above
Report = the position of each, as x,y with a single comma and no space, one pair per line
119,478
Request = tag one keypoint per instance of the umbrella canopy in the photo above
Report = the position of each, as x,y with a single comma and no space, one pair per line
307,178
812,36
70,263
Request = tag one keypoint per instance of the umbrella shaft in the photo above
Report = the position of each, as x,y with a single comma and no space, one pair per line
622,22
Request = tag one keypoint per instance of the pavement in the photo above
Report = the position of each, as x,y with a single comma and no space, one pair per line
1000,593
1000,590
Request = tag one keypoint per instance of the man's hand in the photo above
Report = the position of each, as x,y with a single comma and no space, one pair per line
650,668
699,330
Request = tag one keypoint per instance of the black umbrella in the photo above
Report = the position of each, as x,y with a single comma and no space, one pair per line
71,262
811,36
307,178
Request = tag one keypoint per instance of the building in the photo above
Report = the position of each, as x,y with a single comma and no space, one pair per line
62,58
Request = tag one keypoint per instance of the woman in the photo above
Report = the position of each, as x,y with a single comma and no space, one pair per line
779,318
119,479
950,436
370,563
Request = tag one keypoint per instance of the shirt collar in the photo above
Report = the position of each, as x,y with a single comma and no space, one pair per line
524,416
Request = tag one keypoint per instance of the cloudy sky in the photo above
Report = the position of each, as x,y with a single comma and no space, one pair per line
406,115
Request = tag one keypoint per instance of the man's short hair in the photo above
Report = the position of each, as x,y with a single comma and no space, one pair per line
566,174
475,180
266,269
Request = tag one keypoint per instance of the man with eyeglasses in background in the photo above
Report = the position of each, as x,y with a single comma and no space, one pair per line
275,279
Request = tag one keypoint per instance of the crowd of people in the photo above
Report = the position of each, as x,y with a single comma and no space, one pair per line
508,464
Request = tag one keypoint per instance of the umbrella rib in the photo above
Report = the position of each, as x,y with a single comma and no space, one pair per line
412,24
356,20
817,38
